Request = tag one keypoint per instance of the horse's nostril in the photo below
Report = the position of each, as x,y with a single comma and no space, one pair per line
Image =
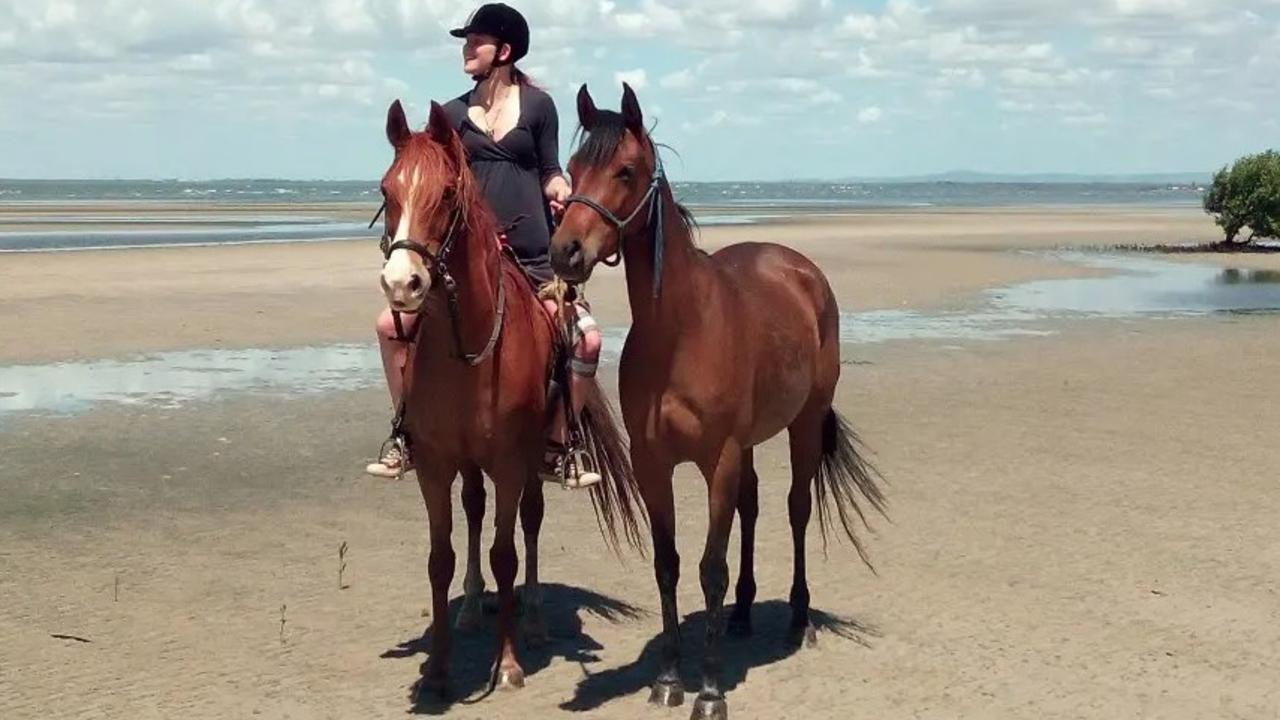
415,283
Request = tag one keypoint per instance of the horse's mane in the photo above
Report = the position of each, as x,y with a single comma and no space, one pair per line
596,148
434,160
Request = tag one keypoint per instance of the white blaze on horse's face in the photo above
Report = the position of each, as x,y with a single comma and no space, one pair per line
405,280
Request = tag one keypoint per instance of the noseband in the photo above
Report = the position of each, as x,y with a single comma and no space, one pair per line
438,267
653,201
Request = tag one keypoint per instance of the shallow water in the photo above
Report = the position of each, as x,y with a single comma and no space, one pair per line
173,378
102,237
1141,288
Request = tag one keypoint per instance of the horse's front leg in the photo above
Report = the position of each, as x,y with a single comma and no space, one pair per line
654,477
532,507
435,479
473,498
723,481
509,482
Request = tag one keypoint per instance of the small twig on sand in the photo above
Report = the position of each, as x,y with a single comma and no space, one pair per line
342,563
282,622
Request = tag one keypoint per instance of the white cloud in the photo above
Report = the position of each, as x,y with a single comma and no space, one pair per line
679,80
719,119
962,77
1014,106
870,115
1092,119
826,96
637,78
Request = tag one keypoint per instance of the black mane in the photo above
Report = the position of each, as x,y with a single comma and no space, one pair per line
597,146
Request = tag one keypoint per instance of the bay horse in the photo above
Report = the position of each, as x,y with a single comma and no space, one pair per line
725,351
476,398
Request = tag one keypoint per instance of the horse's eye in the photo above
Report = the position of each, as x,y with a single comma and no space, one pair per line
625,173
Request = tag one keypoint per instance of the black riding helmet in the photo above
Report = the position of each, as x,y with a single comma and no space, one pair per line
504,23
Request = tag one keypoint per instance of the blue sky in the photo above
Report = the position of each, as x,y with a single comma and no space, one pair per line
743,89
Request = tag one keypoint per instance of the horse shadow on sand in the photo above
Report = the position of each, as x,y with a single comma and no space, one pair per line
564,607
474,651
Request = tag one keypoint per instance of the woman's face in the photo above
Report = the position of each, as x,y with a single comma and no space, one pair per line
479,53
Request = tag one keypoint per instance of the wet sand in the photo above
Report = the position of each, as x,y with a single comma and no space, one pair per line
1082,523
91,304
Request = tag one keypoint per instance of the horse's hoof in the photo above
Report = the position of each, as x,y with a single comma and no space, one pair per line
708,707
469,617
803,636
739,625
431,688
510,678
666,694
535,633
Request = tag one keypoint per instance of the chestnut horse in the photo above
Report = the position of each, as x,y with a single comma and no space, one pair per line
476,397
725,351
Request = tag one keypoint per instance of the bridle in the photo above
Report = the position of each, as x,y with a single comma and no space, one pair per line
438,266
652,200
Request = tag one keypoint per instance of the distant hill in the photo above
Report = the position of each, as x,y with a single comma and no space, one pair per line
970,176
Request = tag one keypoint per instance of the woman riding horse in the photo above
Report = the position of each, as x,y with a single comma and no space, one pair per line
509,128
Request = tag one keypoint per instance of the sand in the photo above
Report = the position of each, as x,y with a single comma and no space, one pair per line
1083,524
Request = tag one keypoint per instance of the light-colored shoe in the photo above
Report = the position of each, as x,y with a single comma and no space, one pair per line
572,469
394,463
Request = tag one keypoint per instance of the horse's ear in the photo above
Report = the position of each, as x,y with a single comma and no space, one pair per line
586,109
631,115
398,132
440,129
438,125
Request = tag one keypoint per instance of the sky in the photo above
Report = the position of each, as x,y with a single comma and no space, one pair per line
742,89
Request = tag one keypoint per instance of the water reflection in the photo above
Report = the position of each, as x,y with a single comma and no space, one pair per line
1233,276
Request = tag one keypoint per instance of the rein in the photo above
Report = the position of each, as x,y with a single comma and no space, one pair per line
653,201
437,265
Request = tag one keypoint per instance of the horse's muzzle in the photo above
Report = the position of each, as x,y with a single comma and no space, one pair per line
569,260
405,291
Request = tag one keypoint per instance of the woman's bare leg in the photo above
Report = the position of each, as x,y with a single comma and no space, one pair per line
395,353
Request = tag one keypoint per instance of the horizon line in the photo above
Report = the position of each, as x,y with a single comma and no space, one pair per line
978,175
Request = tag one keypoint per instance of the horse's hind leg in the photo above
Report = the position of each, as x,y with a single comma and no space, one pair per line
806,454
473,497
748,511
532,506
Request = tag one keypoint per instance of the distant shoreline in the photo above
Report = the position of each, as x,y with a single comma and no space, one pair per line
124,225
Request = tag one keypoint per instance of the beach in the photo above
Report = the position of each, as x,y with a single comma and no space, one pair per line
1081,518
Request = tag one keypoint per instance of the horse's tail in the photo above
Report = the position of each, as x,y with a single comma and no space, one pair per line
616,498
843,475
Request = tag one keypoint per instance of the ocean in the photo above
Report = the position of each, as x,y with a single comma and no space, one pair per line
194,212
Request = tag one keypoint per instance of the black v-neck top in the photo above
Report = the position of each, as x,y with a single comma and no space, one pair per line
514,170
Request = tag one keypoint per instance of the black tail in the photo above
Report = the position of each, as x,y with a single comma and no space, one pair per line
842,476
616,498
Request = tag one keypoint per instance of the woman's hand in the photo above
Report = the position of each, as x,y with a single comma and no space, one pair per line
557,192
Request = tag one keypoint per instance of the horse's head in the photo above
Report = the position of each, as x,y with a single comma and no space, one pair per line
421,190
614,177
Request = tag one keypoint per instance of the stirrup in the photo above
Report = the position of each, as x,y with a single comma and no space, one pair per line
397,443
572,468
580,469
